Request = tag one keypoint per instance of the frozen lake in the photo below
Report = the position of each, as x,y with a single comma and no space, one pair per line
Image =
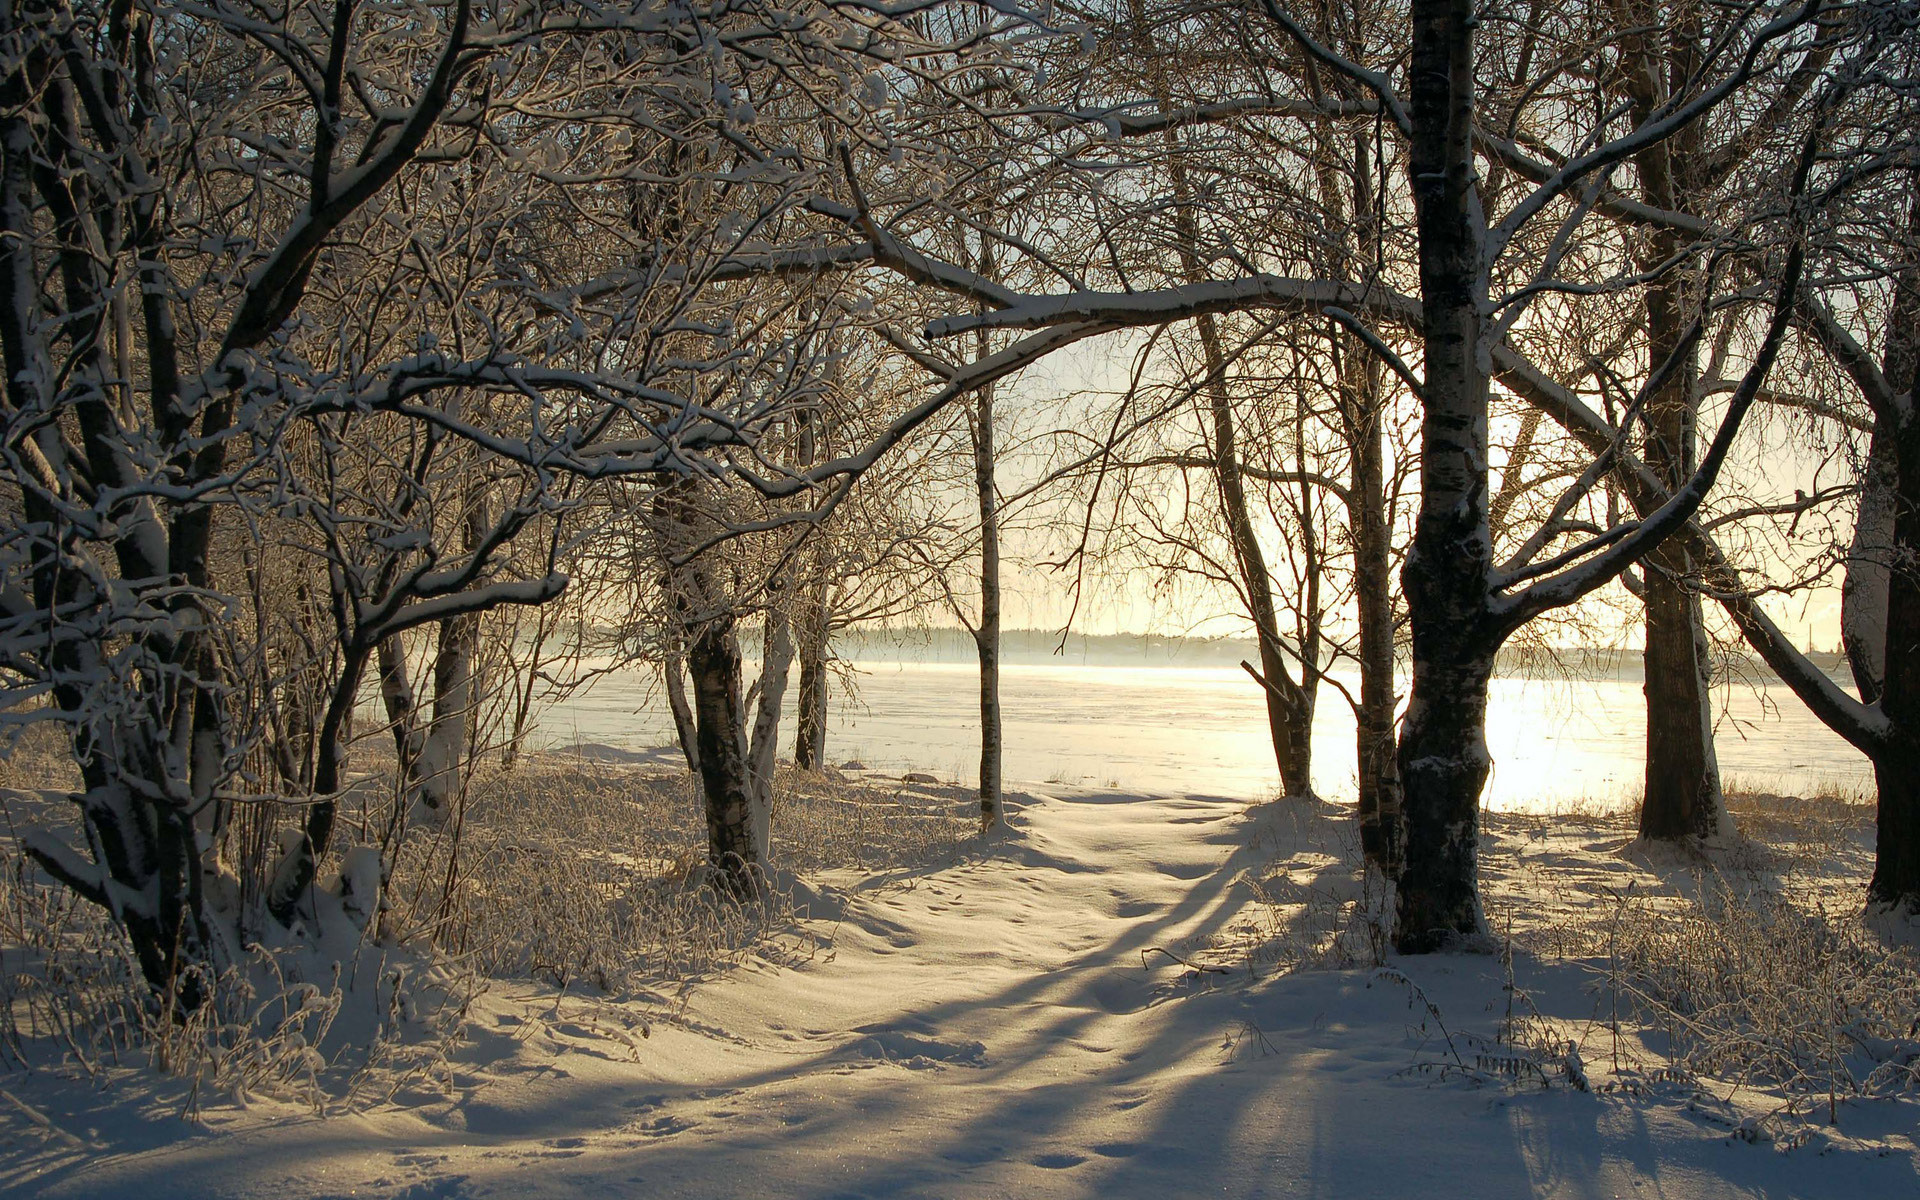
1202,730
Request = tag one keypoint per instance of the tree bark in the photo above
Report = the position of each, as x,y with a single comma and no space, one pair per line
986,635
1682,778
673,674
1896,880
776,657
1870,558
1382,823
810,735
1896,870
1443,751
713,665
447,737
719,743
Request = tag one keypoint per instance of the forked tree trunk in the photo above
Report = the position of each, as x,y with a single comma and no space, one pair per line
1289,703
1682,798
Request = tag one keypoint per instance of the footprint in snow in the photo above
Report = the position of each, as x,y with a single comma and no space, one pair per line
1118,1149
449,1187
1057,1162
664,1126
915,1052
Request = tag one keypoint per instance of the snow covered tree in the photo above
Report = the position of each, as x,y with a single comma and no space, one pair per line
269,276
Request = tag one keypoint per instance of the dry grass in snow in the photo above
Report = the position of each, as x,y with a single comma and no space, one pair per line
1742,974
568,873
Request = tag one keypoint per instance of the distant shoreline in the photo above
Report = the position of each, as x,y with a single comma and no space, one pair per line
1041,647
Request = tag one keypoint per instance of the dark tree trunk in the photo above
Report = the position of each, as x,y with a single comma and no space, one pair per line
810,736
1443,751
986,635
704,616
1682,798
812,620
1896,767
713,665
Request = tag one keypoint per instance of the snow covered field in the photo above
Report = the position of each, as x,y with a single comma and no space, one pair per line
1123,996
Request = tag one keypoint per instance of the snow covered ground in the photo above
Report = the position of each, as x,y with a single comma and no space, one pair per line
1093,1005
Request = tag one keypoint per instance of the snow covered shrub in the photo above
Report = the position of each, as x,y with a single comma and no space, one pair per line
280,1023
1765,989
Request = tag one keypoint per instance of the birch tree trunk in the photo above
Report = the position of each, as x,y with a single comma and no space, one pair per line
447,739
403,718
1443,748
776,657
1870,559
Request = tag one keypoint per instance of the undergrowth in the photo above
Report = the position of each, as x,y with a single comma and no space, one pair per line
275,1023
566,872
1765,990
1741,975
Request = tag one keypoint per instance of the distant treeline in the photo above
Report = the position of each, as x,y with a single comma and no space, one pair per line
1049,647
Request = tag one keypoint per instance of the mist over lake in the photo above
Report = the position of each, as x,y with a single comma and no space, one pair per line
1095,716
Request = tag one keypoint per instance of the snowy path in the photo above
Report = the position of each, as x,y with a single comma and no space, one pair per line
989,1030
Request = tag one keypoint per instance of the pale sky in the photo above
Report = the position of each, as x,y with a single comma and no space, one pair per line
1040,598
